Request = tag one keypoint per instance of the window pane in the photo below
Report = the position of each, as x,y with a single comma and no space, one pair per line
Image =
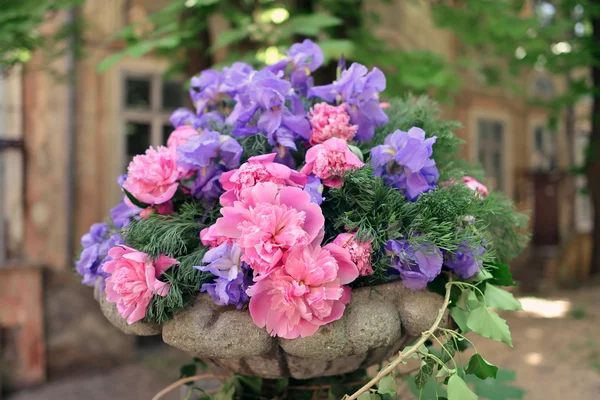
172,95
137,136
166,131
137,92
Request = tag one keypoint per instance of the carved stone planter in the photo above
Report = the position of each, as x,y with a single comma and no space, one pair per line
378,322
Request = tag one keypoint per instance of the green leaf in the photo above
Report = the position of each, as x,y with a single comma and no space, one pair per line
487,323
311,24
448,351
334,48
482,369
497,389
356,152
252,383
501,275
110,61
460,317
473,301
135,201
281,384
501,299
187,370
422,349
458,389
424,373
388,385
228,37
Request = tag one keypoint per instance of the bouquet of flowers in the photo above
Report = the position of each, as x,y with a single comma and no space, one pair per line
278,196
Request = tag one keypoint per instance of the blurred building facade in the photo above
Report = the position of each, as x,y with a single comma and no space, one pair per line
65,142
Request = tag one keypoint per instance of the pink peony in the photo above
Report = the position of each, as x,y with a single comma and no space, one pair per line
330,121
473,184
268,222
152,177
360,252
180,136
258,169
329,161
210,238
306,293
133,280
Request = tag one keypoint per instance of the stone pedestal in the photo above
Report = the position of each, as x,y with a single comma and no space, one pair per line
378,322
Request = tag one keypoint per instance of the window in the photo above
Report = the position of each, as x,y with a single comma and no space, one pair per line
148,103
490,146
543,154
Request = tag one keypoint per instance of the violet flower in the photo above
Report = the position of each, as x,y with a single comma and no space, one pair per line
266,110
236,78
305,57
404,161
206,186
314,187
183,116
416,266
466,261
96,245
359,90
122,213
205,90
233,276
203,150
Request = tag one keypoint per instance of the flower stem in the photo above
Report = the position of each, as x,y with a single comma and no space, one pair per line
402,356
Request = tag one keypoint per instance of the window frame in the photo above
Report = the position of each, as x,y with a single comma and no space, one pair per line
504,116
155,115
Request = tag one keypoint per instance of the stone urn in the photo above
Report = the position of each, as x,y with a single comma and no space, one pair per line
378,322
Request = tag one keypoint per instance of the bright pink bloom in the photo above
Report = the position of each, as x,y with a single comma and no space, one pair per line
180,136
134,280
360,252
384,104
473,184
330,160
258,169
329,121
162,209
306,293
269,221
210,238
152,177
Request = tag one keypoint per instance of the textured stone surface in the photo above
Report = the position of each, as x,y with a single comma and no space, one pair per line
378,322
207,330
137,328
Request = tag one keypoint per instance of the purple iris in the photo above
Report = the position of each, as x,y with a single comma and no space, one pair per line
236,78
466,261
404,161
359,89
416,266
206,186
314,187
305,57
95,245
122,213
184,116
206,91
232,276
203,150
266,110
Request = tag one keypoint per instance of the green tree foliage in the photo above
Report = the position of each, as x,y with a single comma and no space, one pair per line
260,31
560,37
19,29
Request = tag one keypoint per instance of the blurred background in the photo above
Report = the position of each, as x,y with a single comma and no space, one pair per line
87,84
